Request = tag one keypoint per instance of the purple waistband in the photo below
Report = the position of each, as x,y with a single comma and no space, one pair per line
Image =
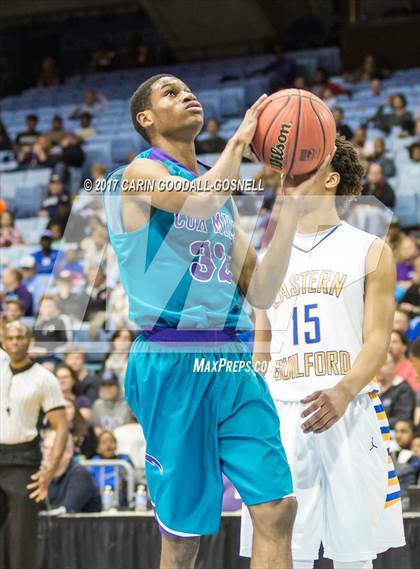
175,335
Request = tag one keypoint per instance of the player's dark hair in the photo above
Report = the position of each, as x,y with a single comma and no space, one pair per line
346,162
402,336
415,348
140,101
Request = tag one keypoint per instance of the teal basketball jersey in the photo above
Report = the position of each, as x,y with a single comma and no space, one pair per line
176,269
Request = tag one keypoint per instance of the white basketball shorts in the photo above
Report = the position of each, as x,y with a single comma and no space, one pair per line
347,490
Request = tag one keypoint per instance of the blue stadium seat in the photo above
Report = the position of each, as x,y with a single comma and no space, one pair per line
232,101
31,228
28,200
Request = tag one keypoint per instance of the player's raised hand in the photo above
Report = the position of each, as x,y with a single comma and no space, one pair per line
326,408
246,129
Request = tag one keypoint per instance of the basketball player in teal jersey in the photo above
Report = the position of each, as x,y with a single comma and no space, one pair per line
187,266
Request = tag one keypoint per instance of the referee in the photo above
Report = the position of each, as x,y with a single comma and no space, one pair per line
26,388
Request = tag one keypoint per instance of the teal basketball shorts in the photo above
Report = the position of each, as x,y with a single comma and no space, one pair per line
204,412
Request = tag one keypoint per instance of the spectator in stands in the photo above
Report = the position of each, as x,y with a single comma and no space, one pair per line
402,323
97,291
57,194
82,432
361,143
58,224
398,115
13,288
321,81
369,70
57,131
396,395
378,155
93,247
71,263
110,475
70,388
408,253
72,488
299,82
395,236
404,368
69,302
376,87
117,358
414,152
94,103
5,142
72,154
27,268
213,143
42,153
130,441
415,360
407,464
118,307
9,235
377,186
49,76
14,310
328,97
29,136
37,155
50,329
410,302
110,410
75,357
342,129
86,130
46,258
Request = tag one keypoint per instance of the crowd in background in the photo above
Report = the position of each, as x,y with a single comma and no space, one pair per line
74,295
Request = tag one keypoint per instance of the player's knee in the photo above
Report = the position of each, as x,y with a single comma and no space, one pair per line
180,551
274,518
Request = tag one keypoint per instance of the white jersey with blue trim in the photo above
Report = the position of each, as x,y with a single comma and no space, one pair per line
317,317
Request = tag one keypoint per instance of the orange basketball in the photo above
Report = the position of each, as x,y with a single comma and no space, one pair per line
295,132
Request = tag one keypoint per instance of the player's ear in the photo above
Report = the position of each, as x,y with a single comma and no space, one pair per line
145,118
332,181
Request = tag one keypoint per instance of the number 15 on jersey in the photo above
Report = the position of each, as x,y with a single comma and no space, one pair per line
306,324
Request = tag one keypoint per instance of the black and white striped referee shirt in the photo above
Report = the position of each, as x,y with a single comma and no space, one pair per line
23,394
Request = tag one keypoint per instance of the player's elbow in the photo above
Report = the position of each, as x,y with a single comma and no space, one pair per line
260,301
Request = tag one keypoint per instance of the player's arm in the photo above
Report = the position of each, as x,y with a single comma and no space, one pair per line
262,340
260,280
329,405
197,199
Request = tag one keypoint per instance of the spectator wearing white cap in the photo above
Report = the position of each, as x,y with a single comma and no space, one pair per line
46,257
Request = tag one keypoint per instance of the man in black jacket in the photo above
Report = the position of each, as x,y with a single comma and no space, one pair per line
396,395
72,488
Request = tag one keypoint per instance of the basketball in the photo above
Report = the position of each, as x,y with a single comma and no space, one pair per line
295,132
